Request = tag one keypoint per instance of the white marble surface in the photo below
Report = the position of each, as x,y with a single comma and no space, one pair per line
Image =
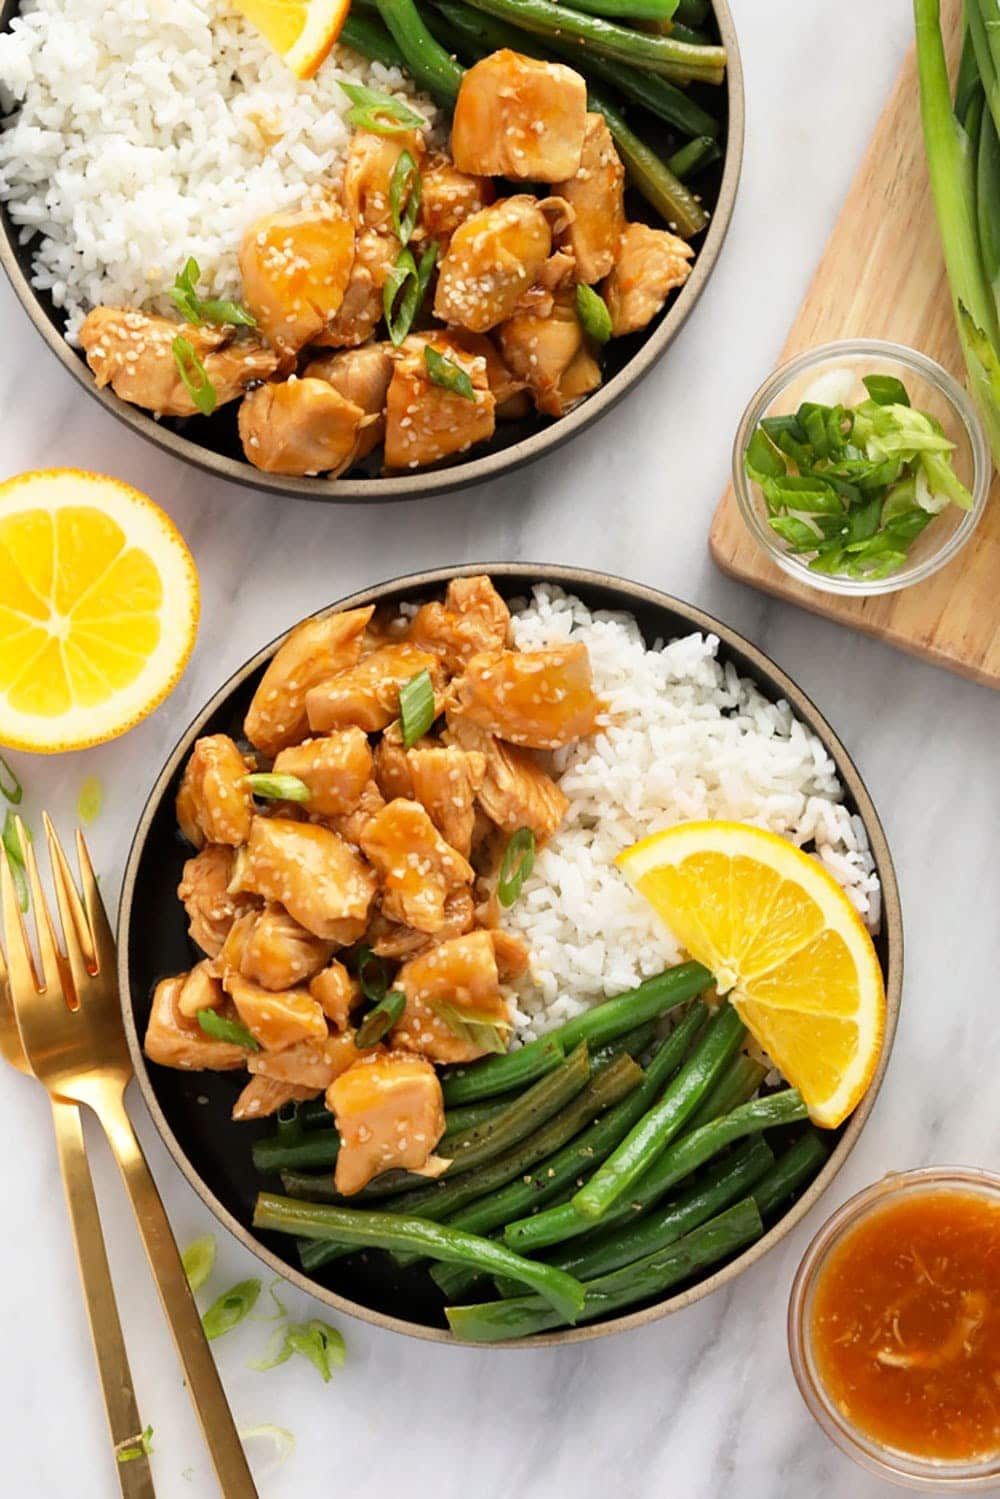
702,1404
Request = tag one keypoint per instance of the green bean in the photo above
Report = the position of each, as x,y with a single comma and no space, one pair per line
444,1198
737,1085
660,54
384,1231
721,1236
627,10
652,1134
733,1178
311,1186
502,1074
471,1114
676,1162
634,1042
693,12
315,1114
426,61
799,1164
658,185
368,37
556,1173
317,1148
693,157
526,1113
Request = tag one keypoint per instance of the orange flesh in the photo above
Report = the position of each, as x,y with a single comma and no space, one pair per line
905,1325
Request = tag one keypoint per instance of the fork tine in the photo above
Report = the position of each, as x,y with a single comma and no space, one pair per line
20,963
103,938
54,973
76,929
11,1044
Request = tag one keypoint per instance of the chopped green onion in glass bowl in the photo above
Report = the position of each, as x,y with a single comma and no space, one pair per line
861,467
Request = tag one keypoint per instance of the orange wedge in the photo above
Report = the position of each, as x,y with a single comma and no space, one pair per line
98,609
782,941
300,31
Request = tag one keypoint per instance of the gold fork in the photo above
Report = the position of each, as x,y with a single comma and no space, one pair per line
81,1054
134,1477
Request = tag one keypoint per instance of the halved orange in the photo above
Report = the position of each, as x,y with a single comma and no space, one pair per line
782,941
98,609
300,31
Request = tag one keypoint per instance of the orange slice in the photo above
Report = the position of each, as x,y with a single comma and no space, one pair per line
300,31
782,941
98,609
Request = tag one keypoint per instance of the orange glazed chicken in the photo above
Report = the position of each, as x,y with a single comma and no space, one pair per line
348,862
458,288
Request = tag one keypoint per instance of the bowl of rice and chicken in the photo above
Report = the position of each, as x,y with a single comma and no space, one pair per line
417,1029
406,273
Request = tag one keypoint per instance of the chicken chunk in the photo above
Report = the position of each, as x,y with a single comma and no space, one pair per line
301,426
496,260
175,1040
472,620
361,310
368,168
295,269
264,1096
545,348
367,695
392,770
540,699
353,824
519,118
425,421
596,193
449,197
445,781
314,650
650,264
390,939
308,1064
276,1019
454,1009
513,957
313,873
362,376
204,891
336,993
214,803
389,1112
515,791
277,953
418,868
336,769
200,990
133,352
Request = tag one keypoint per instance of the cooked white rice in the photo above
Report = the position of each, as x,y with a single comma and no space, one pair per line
146,131
685,738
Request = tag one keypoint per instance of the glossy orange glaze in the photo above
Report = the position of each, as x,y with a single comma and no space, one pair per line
905,1325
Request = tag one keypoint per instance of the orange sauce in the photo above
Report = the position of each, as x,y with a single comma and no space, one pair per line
905,1325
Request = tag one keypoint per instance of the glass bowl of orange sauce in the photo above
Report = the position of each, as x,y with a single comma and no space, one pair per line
894,1328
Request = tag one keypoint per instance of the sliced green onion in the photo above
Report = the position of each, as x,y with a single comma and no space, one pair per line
379,112
886,390
371,974
406,186
231,1308
518,862
277,788
194,375
15,856
89,801
135,1447
320,1343
486,1035
381,1020
198,1260
404,290
10,786
282,1438
416,707
446,373
221,1028
592,310
194,309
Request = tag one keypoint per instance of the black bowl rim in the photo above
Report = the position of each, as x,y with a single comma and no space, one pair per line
631,595
477,470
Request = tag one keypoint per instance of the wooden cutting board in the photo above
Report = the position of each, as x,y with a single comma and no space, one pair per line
882,276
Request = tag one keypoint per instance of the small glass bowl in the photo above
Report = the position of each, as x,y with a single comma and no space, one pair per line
825,374
901,1468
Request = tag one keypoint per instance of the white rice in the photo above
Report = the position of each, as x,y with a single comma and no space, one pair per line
685,738
146,131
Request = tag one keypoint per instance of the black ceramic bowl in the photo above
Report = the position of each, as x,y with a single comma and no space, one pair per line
192,1111
213,443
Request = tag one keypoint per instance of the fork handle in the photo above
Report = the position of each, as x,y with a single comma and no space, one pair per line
204,1386
135,1478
